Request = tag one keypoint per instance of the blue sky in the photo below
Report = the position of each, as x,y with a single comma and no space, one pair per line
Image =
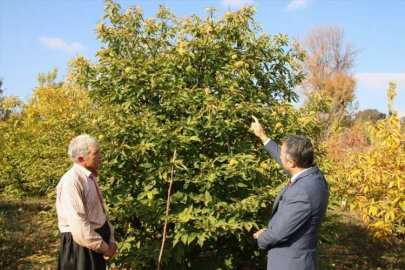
38,35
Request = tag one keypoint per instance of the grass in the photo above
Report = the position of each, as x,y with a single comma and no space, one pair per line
28,240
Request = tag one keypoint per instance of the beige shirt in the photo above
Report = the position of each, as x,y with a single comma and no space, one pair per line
79,209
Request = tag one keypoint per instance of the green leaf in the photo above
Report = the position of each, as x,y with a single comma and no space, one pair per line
247,225
201,240
146,165
177,257
208,197
184,238
191,237
194,138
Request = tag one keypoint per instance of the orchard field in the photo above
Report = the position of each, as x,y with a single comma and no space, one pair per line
179,92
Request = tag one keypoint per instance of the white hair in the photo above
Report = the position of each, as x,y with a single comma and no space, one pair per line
79,146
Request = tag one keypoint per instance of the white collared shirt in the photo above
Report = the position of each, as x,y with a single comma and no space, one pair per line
295,176
79,209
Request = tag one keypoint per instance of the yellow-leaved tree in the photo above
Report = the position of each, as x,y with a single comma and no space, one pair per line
35,135
373,178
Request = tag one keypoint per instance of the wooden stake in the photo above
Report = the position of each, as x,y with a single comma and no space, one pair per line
167,213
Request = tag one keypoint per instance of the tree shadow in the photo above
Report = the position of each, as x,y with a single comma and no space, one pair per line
352,247
26,238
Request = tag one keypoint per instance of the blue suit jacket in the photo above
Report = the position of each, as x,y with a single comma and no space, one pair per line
298,211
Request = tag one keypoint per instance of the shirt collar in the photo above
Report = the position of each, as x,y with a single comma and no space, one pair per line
82,169
295,176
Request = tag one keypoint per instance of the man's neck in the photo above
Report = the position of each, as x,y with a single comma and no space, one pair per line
92,170
297,170
86,167
294,171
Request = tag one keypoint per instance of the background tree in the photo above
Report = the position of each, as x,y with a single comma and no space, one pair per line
372,179
329,67
1,97
368,115
34,137
3,111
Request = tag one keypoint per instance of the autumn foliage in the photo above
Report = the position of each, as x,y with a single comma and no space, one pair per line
34,136
371,176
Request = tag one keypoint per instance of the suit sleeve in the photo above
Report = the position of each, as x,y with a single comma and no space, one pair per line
274,150
294,212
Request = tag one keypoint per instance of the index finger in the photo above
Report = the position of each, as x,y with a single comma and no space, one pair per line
254,118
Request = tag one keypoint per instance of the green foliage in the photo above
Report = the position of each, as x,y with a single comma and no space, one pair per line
190,85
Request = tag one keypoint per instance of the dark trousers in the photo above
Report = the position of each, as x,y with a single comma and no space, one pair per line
75,257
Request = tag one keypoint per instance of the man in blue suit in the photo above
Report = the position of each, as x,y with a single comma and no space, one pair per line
299,208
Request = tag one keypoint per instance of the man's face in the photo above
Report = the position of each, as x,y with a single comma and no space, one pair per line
93,159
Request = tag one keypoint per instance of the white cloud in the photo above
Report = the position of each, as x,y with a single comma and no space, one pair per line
297,4
371,90
237,3
380,81
58,43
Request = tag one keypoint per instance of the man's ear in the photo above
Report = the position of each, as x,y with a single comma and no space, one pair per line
293,164
80,159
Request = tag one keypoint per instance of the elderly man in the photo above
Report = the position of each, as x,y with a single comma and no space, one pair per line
87,237
299,208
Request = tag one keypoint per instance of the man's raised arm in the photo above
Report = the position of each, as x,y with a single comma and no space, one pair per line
271,146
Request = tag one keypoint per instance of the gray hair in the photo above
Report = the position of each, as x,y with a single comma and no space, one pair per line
79,146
